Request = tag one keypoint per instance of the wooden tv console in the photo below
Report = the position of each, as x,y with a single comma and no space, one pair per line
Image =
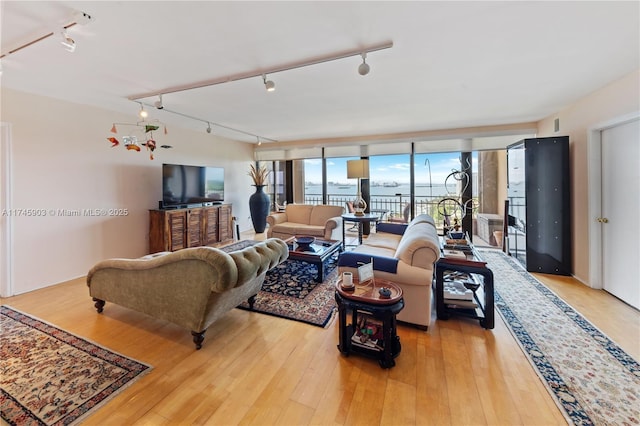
171,230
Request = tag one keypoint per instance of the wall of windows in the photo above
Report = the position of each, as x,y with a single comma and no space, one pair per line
399,188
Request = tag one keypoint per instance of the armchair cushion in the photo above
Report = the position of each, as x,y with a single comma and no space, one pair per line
392,228
380,263
299,213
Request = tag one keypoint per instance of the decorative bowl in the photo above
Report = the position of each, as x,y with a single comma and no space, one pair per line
456,235
305,241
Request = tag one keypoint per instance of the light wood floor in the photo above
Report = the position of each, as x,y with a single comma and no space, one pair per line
257,369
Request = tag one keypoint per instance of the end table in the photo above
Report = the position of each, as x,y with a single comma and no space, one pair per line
370,310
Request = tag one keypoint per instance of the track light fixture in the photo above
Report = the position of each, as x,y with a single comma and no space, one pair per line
259,141
143,113
268,84
364,68
158,104
68,43
208,127
78,18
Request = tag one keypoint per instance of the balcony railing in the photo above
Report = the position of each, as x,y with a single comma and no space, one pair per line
393,205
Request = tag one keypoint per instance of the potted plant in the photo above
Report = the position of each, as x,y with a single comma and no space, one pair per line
259,202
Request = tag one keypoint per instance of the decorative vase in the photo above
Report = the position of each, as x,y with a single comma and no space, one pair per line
259,204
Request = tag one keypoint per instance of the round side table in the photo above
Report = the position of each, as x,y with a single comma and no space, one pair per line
369,312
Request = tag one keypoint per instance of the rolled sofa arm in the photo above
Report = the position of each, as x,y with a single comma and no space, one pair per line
331,228
276,218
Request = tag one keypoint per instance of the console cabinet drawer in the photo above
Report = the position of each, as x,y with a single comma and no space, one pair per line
171,230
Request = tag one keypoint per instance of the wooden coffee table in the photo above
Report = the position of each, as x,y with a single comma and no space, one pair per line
316,253
367,305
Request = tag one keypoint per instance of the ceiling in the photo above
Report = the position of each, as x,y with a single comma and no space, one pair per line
452,64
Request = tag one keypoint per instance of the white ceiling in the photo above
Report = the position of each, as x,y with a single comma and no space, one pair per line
452,64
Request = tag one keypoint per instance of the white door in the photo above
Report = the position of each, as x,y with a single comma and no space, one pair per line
621,211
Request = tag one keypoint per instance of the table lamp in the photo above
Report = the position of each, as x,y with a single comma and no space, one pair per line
358,169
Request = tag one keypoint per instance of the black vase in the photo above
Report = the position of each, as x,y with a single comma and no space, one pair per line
259,204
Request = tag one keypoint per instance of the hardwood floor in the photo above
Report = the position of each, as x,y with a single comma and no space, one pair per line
263,370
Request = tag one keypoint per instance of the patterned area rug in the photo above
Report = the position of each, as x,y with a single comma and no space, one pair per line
51,377
238,246
592,380
291,291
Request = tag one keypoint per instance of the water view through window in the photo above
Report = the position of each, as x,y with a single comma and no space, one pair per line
435,178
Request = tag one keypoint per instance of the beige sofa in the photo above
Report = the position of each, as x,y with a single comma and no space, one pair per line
404,254
192,287
319,220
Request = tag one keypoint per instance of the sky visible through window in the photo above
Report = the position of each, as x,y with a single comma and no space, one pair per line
388,168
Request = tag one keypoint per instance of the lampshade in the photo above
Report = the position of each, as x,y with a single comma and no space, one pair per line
357,169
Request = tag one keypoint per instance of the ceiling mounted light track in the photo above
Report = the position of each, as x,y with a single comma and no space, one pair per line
78,18
210,124
363,51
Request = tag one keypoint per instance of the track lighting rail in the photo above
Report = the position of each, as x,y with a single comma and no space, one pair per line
25,45
211,124
260,73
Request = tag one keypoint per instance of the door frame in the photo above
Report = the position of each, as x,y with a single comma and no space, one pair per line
594,158
6,248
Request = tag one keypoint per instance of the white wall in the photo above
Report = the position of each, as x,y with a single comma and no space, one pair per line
61,160
614,100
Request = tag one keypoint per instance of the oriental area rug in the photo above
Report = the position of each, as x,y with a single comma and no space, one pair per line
592,379
291,291
51,377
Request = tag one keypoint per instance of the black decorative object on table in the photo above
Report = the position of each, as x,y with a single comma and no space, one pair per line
305,242
259,204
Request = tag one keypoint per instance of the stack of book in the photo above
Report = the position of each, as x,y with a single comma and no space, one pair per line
456,294
459,245
368,333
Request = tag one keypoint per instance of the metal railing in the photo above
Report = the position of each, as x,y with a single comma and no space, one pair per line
393,205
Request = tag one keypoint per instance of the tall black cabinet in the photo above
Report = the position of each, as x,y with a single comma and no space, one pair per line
539,228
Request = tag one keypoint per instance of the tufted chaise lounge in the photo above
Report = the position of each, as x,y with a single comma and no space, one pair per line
192,287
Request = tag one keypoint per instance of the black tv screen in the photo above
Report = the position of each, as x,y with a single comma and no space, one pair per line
184,185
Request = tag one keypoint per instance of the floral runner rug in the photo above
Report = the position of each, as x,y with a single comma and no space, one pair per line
51,377
592,379
290,291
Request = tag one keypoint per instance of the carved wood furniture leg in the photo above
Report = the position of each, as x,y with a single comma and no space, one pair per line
99,305
198,338
251,301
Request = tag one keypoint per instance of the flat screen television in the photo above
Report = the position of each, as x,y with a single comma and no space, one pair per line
184,185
